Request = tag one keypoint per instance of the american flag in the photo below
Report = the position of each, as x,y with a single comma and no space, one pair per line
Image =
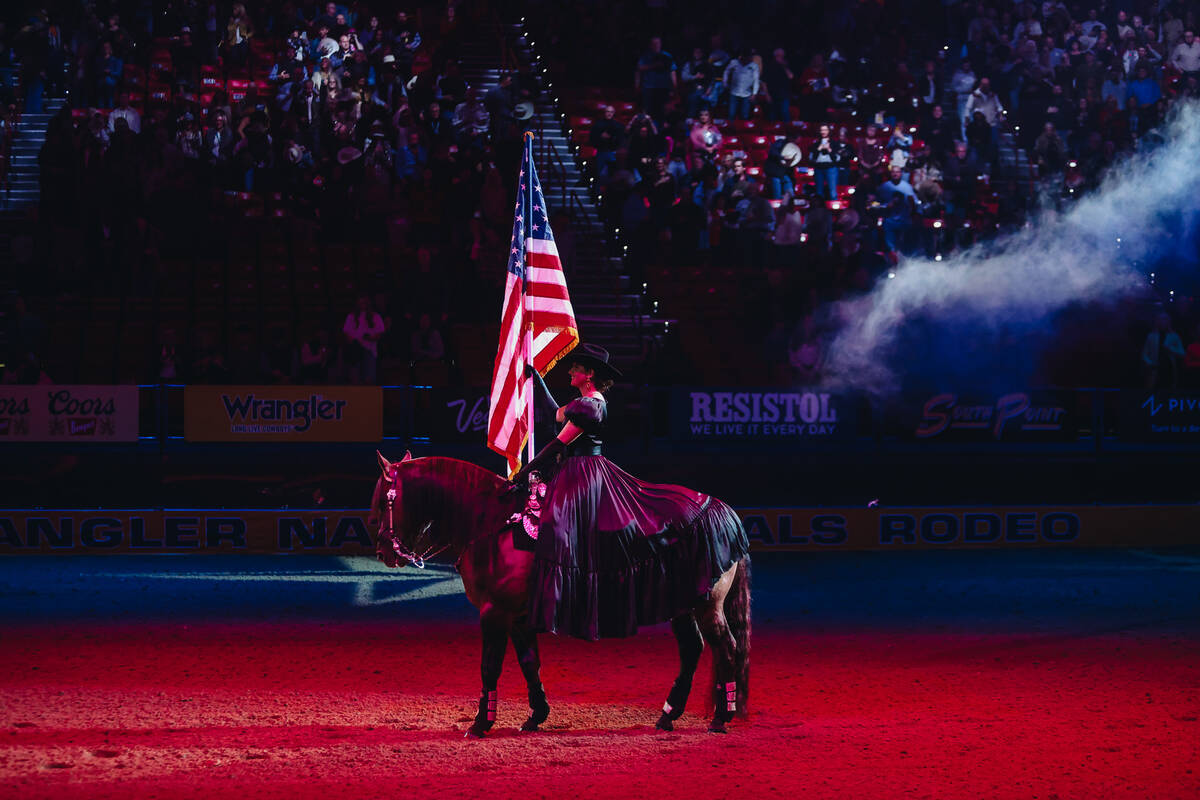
537,325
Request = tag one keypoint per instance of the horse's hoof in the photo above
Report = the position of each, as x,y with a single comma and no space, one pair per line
476,731
717,726
664,723
537,715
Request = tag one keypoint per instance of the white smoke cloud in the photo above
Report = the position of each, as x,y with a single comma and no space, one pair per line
1024,278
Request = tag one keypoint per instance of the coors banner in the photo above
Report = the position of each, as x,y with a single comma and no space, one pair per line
54,413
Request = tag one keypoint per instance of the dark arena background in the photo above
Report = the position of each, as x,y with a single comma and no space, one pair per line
910,285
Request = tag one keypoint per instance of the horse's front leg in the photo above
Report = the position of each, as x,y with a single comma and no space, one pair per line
525,643
691,645
494,626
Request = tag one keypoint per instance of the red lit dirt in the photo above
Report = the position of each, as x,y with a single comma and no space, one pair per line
378,710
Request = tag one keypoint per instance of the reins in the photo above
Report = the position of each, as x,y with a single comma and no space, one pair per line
418,559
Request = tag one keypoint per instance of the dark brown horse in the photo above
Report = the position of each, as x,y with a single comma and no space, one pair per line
454,511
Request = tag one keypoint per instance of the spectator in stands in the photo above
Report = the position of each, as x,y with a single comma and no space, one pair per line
361,330
696,74
646,145
705,137
606,135
501,103
1185,57
315,357
789,232
218,141
167,367
816,90
108,69
962,83
734,186
238,31
827,156
438,130
777,171
470,117
986,102
426,341
1190,375
123,111
1144,88
777,80
1050,151
929,86
1161,354
980,139
188,138
899,199
871,151
656,78
899,146
938,132
1114,87
322,45
325,80
755,224
742,81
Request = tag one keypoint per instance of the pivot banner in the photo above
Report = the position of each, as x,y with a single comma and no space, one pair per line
1160,416
283,413
60,413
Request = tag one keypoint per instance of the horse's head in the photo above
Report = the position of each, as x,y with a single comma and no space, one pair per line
424,507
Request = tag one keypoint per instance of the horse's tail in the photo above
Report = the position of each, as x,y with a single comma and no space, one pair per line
737,616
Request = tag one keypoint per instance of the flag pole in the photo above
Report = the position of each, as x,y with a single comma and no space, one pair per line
530,450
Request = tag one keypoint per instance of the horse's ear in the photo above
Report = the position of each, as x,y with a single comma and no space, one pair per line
407,456
385,466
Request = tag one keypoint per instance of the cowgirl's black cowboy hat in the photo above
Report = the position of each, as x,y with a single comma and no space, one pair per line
596,358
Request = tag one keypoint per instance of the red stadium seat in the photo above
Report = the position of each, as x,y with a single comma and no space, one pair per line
238,89
210,77
134,76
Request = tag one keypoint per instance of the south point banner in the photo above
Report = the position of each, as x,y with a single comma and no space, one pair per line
348,531
283,413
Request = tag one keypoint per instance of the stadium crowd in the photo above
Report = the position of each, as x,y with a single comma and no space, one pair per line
797,149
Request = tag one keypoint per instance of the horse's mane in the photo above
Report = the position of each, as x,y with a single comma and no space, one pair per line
451,473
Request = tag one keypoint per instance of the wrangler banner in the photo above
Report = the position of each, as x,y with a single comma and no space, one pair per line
283,413
348,532
50,413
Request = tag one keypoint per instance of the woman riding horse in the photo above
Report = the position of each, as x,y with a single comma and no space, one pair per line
613,553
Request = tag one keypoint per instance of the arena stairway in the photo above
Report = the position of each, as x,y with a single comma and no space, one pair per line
609,308
1012,161
22,188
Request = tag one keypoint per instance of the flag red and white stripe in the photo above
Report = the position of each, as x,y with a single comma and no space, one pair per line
537,324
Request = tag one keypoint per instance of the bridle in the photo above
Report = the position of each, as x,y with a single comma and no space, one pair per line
416,559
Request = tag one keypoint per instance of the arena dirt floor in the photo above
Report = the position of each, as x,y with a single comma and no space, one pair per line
949,675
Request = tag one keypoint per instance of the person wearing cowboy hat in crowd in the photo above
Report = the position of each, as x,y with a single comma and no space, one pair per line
604,537
782,159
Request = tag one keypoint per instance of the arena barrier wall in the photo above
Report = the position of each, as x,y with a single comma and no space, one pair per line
345,531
